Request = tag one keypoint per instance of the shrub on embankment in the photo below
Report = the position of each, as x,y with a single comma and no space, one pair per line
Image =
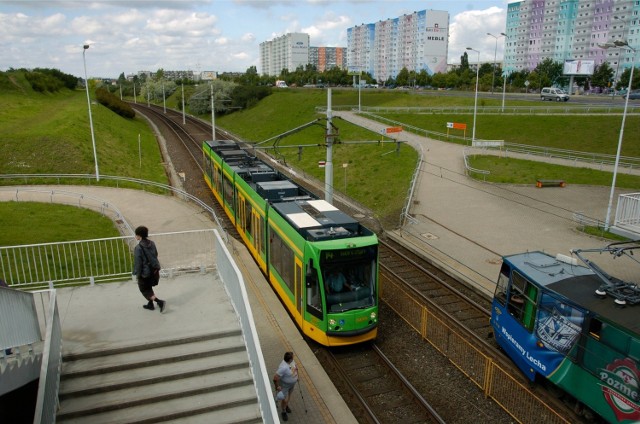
115,104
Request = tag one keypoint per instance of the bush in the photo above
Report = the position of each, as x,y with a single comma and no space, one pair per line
107,99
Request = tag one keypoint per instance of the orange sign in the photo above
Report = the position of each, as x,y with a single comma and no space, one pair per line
393,130
456,125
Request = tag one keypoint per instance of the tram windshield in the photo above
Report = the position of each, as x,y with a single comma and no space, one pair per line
349,278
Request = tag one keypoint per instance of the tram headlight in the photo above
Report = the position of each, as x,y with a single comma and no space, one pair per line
373,316
332,322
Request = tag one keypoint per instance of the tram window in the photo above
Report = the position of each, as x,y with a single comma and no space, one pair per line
314,297
503,283
281,259
247,218
595,326
523,300
228,193
559,324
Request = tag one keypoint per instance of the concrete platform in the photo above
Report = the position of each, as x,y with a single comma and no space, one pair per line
112,314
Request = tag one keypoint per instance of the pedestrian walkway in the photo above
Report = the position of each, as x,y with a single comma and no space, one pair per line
468,225
112,314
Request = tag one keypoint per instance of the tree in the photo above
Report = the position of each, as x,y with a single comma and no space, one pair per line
602,76
464,63
623,83
547,72
403,77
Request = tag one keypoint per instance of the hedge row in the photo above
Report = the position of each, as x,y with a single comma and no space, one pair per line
115,104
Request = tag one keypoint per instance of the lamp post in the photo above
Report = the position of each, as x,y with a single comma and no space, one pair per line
619,43
86,86
495,51
475,105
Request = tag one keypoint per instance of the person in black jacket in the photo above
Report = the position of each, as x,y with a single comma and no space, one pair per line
145,261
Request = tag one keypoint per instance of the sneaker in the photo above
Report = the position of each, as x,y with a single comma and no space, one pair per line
285,417
162,304
149,306
288,410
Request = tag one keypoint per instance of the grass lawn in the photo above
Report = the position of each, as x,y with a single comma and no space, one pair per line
50,133
516,171
22,223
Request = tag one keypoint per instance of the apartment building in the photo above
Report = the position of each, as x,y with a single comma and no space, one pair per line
325,58
417,41
571,30
285,52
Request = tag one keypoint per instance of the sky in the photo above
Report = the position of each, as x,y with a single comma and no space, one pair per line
210,35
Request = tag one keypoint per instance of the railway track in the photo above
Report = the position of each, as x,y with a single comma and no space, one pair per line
436,288
363,370
381,392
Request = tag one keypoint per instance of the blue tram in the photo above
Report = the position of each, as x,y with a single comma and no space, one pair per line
575,325
299,241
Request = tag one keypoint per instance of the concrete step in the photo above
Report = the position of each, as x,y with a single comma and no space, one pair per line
224,405
216,385
85,386
149,355
161,381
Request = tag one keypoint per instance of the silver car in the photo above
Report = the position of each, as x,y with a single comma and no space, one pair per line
550,93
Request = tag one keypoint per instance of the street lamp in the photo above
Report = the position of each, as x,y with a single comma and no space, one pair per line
495,51
86,86
475,105
619,43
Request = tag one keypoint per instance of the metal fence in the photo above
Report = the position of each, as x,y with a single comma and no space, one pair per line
628,212
512,395
52,265
549,109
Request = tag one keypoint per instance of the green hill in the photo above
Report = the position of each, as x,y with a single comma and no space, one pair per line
49,133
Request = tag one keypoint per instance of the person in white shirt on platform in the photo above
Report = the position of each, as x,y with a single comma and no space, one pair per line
285,380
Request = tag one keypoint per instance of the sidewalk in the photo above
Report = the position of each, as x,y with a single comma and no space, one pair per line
469,225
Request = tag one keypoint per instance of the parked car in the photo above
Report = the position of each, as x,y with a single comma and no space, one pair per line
634,95
550,93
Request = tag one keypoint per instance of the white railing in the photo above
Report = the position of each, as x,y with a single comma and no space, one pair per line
49,383
101,260
628,212
235,286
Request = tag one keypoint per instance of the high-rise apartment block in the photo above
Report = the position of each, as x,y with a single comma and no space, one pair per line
417,41
325,58
571,30
285,52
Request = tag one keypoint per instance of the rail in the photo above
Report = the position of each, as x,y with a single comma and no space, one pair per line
551,109
629,164
412,188
49,383
90,180
50,265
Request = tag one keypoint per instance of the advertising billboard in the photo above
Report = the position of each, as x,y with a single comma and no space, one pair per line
578,67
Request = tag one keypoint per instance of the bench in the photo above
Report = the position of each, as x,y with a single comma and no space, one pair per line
550,183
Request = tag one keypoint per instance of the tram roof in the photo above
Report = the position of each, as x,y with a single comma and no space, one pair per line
576,283
318,219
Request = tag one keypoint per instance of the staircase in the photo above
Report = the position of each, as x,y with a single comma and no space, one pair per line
198,379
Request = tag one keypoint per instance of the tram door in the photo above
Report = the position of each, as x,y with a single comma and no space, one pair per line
298,284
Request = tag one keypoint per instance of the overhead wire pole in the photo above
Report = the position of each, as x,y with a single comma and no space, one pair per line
213,114
93,137
328,169
620,43
495,52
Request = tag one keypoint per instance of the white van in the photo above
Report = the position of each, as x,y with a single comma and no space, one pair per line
550,93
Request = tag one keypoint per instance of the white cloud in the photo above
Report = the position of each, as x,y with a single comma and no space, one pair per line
470,28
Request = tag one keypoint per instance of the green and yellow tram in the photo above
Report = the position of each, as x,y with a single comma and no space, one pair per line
322,263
